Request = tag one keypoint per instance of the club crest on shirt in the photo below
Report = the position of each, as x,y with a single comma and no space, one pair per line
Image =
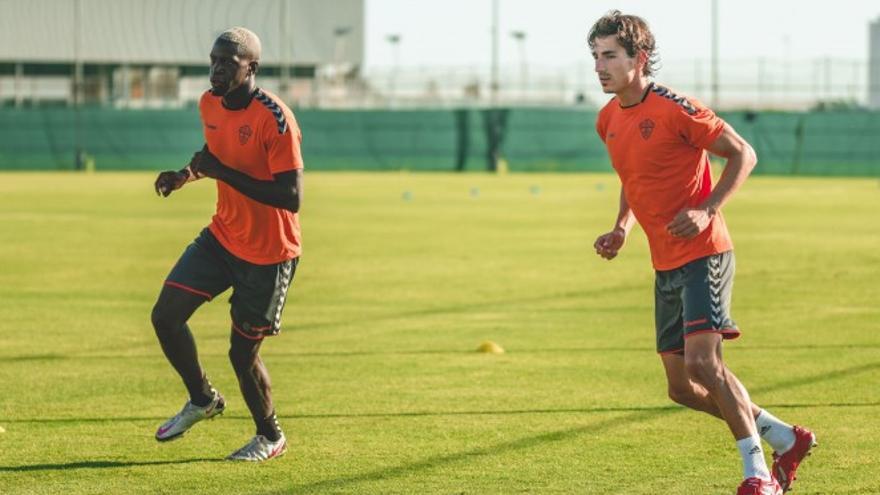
646,127
244,133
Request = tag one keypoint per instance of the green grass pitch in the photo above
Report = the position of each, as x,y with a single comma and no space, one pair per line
375,375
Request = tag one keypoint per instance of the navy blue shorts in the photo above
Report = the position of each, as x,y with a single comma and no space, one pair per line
207,269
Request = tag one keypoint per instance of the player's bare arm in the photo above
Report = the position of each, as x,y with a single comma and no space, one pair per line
609,244
741,159
284,191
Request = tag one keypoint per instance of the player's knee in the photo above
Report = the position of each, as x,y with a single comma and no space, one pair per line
163,319
705,370
680,395
241,359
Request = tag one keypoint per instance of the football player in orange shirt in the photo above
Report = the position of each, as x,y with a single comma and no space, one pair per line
253,245
658,143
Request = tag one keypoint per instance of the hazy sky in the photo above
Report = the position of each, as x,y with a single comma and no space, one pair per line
457,32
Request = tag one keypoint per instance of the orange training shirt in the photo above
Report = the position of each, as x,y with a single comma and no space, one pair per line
658,148
259,140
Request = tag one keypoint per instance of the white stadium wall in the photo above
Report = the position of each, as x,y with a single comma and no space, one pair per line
178,32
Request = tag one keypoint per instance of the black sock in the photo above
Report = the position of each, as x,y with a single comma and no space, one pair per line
269,428
201,394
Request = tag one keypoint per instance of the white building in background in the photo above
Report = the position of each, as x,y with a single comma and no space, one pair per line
155,52
874,65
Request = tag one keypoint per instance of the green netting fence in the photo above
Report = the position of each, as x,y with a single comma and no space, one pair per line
788,143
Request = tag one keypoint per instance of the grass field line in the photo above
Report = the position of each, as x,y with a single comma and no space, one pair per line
99,465
733,348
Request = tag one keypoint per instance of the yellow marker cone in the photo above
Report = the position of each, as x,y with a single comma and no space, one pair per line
489,347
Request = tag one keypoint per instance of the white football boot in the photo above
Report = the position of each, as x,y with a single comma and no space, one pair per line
188,416
260,449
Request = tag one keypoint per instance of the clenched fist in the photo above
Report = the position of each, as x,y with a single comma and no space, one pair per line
607,245
169,181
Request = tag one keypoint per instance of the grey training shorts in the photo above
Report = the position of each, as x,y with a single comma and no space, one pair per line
694,299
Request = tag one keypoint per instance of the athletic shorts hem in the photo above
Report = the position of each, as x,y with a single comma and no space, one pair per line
189,289
247,335
726,333
671,351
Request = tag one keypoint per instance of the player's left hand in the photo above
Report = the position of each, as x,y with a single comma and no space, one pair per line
206,164
689,222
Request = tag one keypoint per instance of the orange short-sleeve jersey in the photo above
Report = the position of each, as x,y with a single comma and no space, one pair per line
658,148
259,140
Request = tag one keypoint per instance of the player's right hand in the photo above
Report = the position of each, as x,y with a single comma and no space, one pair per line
607,245
169,181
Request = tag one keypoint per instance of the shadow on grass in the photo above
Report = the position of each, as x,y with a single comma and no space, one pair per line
40,357
97,465
817,378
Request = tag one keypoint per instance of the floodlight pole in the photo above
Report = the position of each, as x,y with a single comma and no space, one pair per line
285,56
19,75
714,63
494,116
77,61
78,153
493,82
520,37
394,41
340,37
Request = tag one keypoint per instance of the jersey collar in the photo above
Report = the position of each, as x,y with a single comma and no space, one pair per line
648,90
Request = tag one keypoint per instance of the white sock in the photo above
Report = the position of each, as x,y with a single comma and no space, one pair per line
754,464
777,433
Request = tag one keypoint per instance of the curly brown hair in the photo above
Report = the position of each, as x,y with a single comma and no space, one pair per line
632,33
